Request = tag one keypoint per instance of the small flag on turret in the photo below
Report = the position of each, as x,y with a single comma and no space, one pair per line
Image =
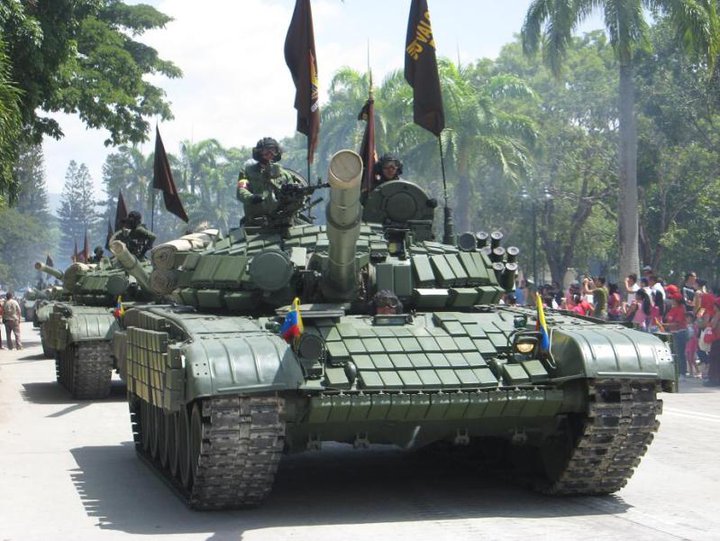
292,327
541,325
119,310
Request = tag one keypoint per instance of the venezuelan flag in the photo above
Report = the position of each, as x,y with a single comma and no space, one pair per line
292,327
119,309
541,325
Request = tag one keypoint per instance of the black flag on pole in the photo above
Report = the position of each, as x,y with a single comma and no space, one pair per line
300,57
421,70
120,211
163,180
110,233
368,153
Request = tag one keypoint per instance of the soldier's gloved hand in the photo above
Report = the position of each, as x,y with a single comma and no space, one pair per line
255,199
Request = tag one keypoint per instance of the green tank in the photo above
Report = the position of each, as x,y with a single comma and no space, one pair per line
217,395
45,304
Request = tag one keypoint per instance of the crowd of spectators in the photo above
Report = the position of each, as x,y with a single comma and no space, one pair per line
688,310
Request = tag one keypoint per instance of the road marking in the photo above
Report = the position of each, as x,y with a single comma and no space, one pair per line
694,414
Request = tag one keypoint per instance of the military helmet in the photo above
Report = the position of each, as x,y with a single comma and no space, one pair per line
264,143
134,218
386,158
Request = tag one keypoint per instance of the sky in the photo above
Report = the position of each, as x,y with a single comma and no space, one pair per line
236,87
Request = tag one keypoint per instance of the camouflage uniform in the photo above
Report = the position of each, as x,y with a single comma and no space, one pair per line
263,180
138,240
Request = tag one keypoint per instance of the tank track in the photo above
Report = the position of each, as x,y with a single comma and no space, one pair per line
85,369
619,426
235,445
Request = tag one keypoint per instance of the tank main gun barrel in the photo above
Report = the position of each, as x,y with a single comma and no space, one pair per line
344,214
130,264
49,270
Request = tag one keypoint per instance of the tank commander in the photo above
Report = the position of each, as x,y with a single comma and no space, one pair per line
138,238
261,178
97,256
388,167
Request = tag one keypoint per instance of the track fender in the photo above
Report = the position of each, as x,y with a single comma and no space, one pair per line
610,352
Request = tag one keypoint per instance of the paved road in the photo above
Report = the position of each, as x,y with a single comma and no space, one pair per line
69,472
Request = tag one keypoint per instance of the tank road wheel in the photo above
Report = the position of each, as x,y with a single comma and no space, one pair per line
48,353
155,432
91,369
172,444
196,438
236,445
163,424
145,426
598,453
182,443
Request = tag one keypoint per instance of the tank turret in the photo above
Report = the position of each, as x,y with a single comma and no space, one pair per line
52,271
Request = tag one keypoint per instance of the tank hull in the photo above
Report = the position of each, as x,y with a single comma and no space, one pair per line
581,420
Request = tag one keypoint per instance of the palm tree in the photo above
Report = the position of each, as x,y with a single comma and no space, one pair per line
695,23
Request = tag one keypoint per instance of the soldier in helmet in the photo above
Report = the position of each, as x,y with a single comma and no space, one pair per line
138,238
388,167
260,179
97,256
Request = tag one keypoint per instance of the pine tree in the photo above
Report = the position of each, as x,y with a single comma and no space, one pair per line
29,174
77,209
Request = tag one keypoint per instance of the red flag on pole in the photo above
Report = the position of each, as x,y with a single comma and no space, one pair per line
163,180
86,250
368,153
300,57
110,233
120,211
421,70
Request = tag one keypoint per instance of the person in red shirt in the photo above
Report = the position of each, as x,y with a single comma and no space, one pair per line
582,306
676,324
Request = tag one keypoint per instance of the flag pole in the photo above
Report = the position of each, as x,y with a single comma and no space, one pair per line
448,226
152,210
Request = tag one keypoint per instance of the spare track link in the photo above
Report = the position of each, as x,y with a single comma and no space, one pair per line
85,369
620,425
241,445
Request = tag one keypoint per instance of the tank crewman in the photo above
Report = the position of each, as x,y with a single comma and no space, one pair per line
388,167
386,302
260,178
133,233
97,256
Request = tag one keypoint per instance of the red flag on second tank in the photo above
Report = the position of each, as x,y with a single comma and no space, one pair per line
300,57
121,211
163,180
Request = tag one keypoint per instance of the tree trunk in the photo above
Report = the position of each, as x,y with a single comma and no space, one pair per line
628,192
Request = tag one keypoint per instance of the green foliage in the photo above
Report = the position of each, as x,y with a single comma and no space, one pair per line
80,56
10,124
28,233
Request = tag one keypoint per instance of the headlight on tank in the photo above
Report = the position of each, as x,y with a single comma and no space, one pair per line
525,345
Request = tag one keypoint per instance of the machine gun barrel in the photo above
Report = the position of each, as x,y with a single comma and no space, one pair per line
49,270
344,214
130,264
